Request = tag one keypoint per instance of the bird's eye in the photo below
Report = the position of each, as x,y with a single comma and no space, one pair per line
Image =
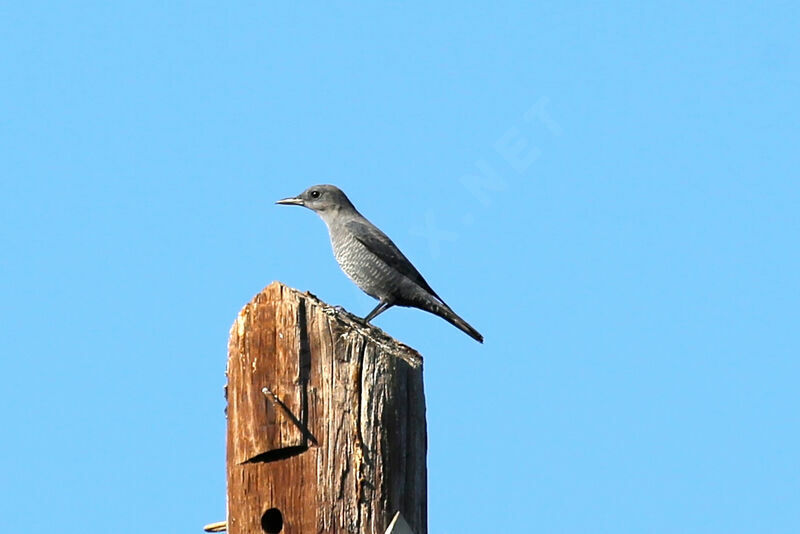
315,194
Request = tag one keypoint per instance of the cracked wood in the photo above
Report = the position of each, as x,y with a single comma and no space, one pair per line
338,444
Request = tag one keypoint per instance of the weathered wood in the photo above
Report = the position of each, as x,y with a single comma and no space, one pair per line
326,421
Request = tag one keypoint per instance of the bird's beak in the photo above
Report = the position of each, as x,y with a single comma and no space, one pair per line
291,201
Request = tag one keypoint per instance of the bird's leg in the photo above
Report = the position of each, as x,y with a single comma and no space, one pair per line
379,309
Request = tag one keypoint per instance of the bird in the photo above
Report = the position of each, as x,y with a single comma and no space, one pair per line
372,260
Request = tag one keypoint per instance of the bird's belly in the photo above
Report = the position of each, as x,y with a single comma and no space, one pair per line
365,269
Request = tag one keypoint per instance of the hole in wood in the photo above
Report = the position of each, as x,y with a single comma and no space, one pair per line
272,521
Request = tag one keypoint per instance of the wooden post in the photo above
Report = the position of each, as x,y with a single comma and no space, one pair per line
326,422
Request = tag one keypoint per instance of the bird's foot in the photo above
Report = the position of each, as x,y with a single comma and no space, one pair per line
362,321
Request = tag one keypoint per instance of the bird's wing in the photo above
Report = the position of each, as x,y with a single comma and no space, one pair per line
379,244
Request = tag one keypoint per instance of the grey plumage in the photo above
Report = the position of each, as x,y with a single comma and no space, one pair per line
371,260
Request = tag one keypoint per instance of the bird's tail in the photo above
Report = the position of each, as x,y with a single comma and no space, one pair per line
450,316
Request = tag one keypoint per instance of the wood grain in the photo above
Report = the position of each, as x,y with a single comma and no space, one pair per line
338,443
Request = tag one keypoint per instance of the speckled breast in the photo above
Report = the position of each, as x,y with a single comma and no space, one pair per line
363,267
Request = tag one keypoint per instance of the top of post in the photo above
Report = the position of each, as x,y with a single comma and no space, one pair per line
277,291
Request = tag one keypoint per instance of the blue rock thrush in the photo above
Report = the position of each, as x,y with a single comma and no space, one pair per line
371,260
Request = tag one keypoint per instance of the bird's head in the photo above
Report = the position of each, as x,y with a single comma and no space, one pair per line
320,198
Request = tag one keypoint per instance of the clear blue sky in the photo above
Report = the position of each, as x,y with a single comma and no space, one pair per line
609,192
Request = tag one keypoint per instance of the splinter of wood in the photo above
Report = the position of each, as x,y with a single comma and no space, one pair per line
219,526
